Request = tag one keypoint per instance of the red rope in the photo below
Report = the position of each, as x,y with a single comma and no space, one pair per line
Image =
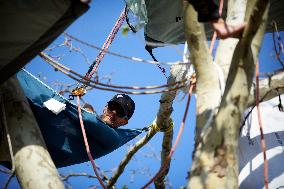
108,42
87,144
263,145
213,40
164,166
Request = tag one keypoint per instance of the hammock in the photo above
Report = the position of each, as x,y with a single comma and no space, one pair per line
62,133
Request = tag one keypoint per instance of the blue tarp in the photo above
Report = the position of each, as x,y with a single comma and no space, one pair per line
62,132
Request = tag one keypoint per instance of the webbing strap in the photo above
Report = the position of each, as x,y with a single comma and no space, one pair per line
150,51
157,128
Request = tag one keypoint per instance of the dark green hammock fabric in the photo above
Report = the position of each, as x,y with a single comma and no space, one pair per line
62,133
28,27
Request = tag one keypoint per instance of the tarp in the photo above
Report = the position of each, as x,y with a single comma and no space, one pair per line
62,132
27,27
165,21
250,153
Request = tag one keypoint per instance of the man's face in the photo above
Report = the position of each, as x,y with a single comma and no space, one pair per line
114,115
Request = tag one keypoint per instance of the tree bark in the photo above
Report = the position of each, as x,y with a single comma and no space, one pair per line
215,163
268,88
33,165
163,121
206,72
235,15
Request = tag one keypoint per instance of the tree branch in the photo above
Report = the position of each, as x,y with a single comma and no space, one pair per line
269,84
224,54
163,121
216,159
129,155
33,164
207,77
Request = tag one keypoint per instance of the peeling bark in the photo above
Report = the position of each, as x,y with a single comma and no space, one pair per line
207,77
268,88
215,162
33,165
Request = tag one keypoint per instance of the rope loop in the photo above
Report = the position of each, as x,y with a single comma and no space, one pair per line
158,129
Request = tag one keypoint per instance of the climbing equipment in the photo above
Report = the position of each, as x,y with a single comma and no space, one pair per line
157,128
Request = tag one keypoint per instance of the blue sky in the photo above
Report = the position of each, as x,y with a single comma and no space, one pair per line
94,27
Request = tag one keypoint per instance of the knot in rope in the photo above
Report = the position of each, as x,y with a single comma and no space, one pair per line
157,128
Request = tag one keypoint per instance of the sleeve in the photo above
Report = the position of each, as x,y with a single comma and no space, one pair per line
207,9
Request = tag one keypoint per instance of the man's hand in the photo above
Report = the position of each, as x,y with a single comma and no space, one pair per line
225,31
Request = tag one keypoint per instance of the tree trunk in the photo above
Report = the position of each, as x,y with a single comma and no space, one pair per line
215,164
33,165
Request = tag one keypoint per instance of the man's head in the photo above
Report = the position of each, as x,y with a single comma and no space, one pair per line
118,110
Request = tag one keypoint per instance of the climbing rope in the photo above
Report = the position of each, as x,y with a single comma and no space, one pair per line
77,77
164,166
135,59
93,68
213,39
80,91
263,145
87,144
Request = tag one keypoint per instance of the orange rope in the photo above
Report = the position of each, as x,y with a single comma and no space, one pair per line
263,145
213,40
87,144
164,166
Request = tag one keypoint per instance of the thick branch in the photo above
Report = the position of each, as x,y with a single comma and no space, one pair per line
207,77
33,165
268,88
163,122
216,159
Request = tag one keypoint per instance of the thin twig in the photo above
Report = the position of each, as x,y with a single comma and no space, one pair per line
280,44
66,177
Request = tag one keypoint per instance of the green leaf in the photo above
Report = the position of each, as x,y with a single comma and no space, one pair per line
124,30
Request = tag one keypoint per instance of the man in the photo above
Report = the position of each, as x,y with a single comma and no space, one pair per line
63,136
208,12
118,111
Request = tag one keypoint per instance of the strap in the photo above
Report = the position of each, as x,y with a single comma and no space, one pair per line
150,51
157,128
